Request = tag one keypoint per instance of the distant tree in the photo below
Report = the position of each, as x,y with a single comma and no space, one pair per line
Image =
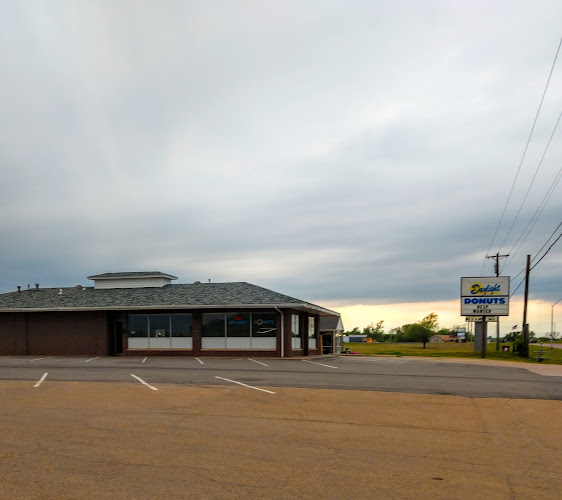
392,335
512,337
375,332
431,322
355,331
403,334
418,333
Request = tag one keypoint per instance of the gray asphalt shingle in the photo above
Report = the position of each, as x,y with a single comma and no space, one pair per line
176,296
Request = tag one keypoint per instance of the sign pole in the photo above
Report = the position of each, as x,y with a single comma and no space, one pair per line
525,326
484,335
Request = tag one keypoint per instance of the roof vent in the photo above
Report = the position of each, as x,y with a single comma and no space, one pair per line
19,288
37,286
60,291
196,282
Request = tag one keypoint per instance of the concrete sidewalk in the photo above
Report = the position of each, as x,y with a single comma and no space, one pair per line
72,440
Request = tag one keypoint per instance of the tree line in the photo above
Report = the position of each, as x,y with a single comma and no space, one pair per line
421,331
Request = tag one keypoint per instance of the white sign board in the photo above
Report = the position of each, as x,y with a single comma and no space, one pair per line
485,296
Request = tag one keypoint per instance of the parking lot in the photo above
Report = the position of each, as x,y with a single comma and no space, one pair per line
389,374
210,428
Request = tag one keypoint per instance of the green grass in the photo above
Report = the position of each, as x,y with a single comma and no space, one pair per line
452,350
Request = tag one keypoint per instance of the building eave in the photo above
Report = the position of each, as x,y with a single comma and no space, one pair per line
306,307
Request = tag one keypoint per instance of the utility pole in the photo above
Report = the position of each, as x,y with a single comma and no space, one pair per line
497,270
552,324
525,352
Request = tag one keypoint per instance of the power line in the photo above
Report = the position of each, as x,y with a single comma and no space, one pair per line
524,152
546,242
544,255
532,182
521,282
535,217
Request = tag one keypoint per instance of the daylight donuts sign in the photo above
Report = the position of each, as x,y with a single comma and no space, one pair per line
485,296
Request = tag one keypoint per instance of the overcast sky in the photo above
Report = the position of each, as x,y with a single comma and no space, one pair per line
343,152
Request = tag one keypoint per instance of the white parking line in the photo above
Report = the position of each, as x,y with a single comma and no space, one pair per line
143,382
144,360
259,362
47,357
200,361
91,359
245,385
41,380
327,366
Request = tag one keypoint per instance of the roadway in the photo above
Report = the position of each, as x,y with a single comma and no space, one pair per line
386,374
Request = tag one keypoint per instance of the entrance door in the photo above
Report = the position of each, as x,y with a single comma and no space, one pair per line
327,343
116,337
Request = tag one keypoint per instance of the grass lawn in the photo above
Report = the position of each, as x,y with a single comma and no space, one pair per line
452,350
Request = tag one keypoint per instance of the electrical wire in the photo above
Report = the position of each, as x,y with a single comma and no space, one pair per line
534,218
524,153
521,282
531,183
545,254
546,242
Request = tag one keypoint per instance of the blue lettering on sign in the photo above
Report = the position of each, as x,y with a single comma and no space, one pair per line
495,300
237,322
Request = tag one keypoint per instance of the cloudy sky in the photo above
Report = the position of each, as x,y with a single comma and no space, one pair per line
356,154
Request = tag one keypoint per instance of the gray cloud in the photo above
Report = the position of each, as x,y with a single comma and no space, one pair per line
339,151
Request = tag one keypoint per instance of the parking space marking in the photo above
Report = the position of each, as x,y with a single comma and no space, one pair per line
245,385
314,362
200,361
143,382
47,357
37,384
91,359
144,360
259,362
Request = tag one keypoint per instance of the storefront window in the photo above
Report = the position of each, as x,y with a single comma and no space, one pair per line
182,325
311,333
264,325
239,330
238,325
295,332
159,325
160,331
138,325
213,325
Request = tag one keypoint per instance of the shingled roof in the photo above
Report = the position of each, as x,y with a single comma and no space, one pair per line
181,296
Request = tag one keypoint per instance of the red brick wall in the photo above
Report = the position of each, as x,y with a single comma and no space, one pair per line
12,334
67,333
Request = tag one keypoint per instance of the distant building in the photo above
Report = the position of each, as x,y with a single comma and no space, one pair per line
440,338
143,313
354,338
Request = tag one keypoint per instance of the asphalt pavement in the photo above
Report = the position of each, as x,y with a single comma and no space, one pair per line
387,374
236,428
